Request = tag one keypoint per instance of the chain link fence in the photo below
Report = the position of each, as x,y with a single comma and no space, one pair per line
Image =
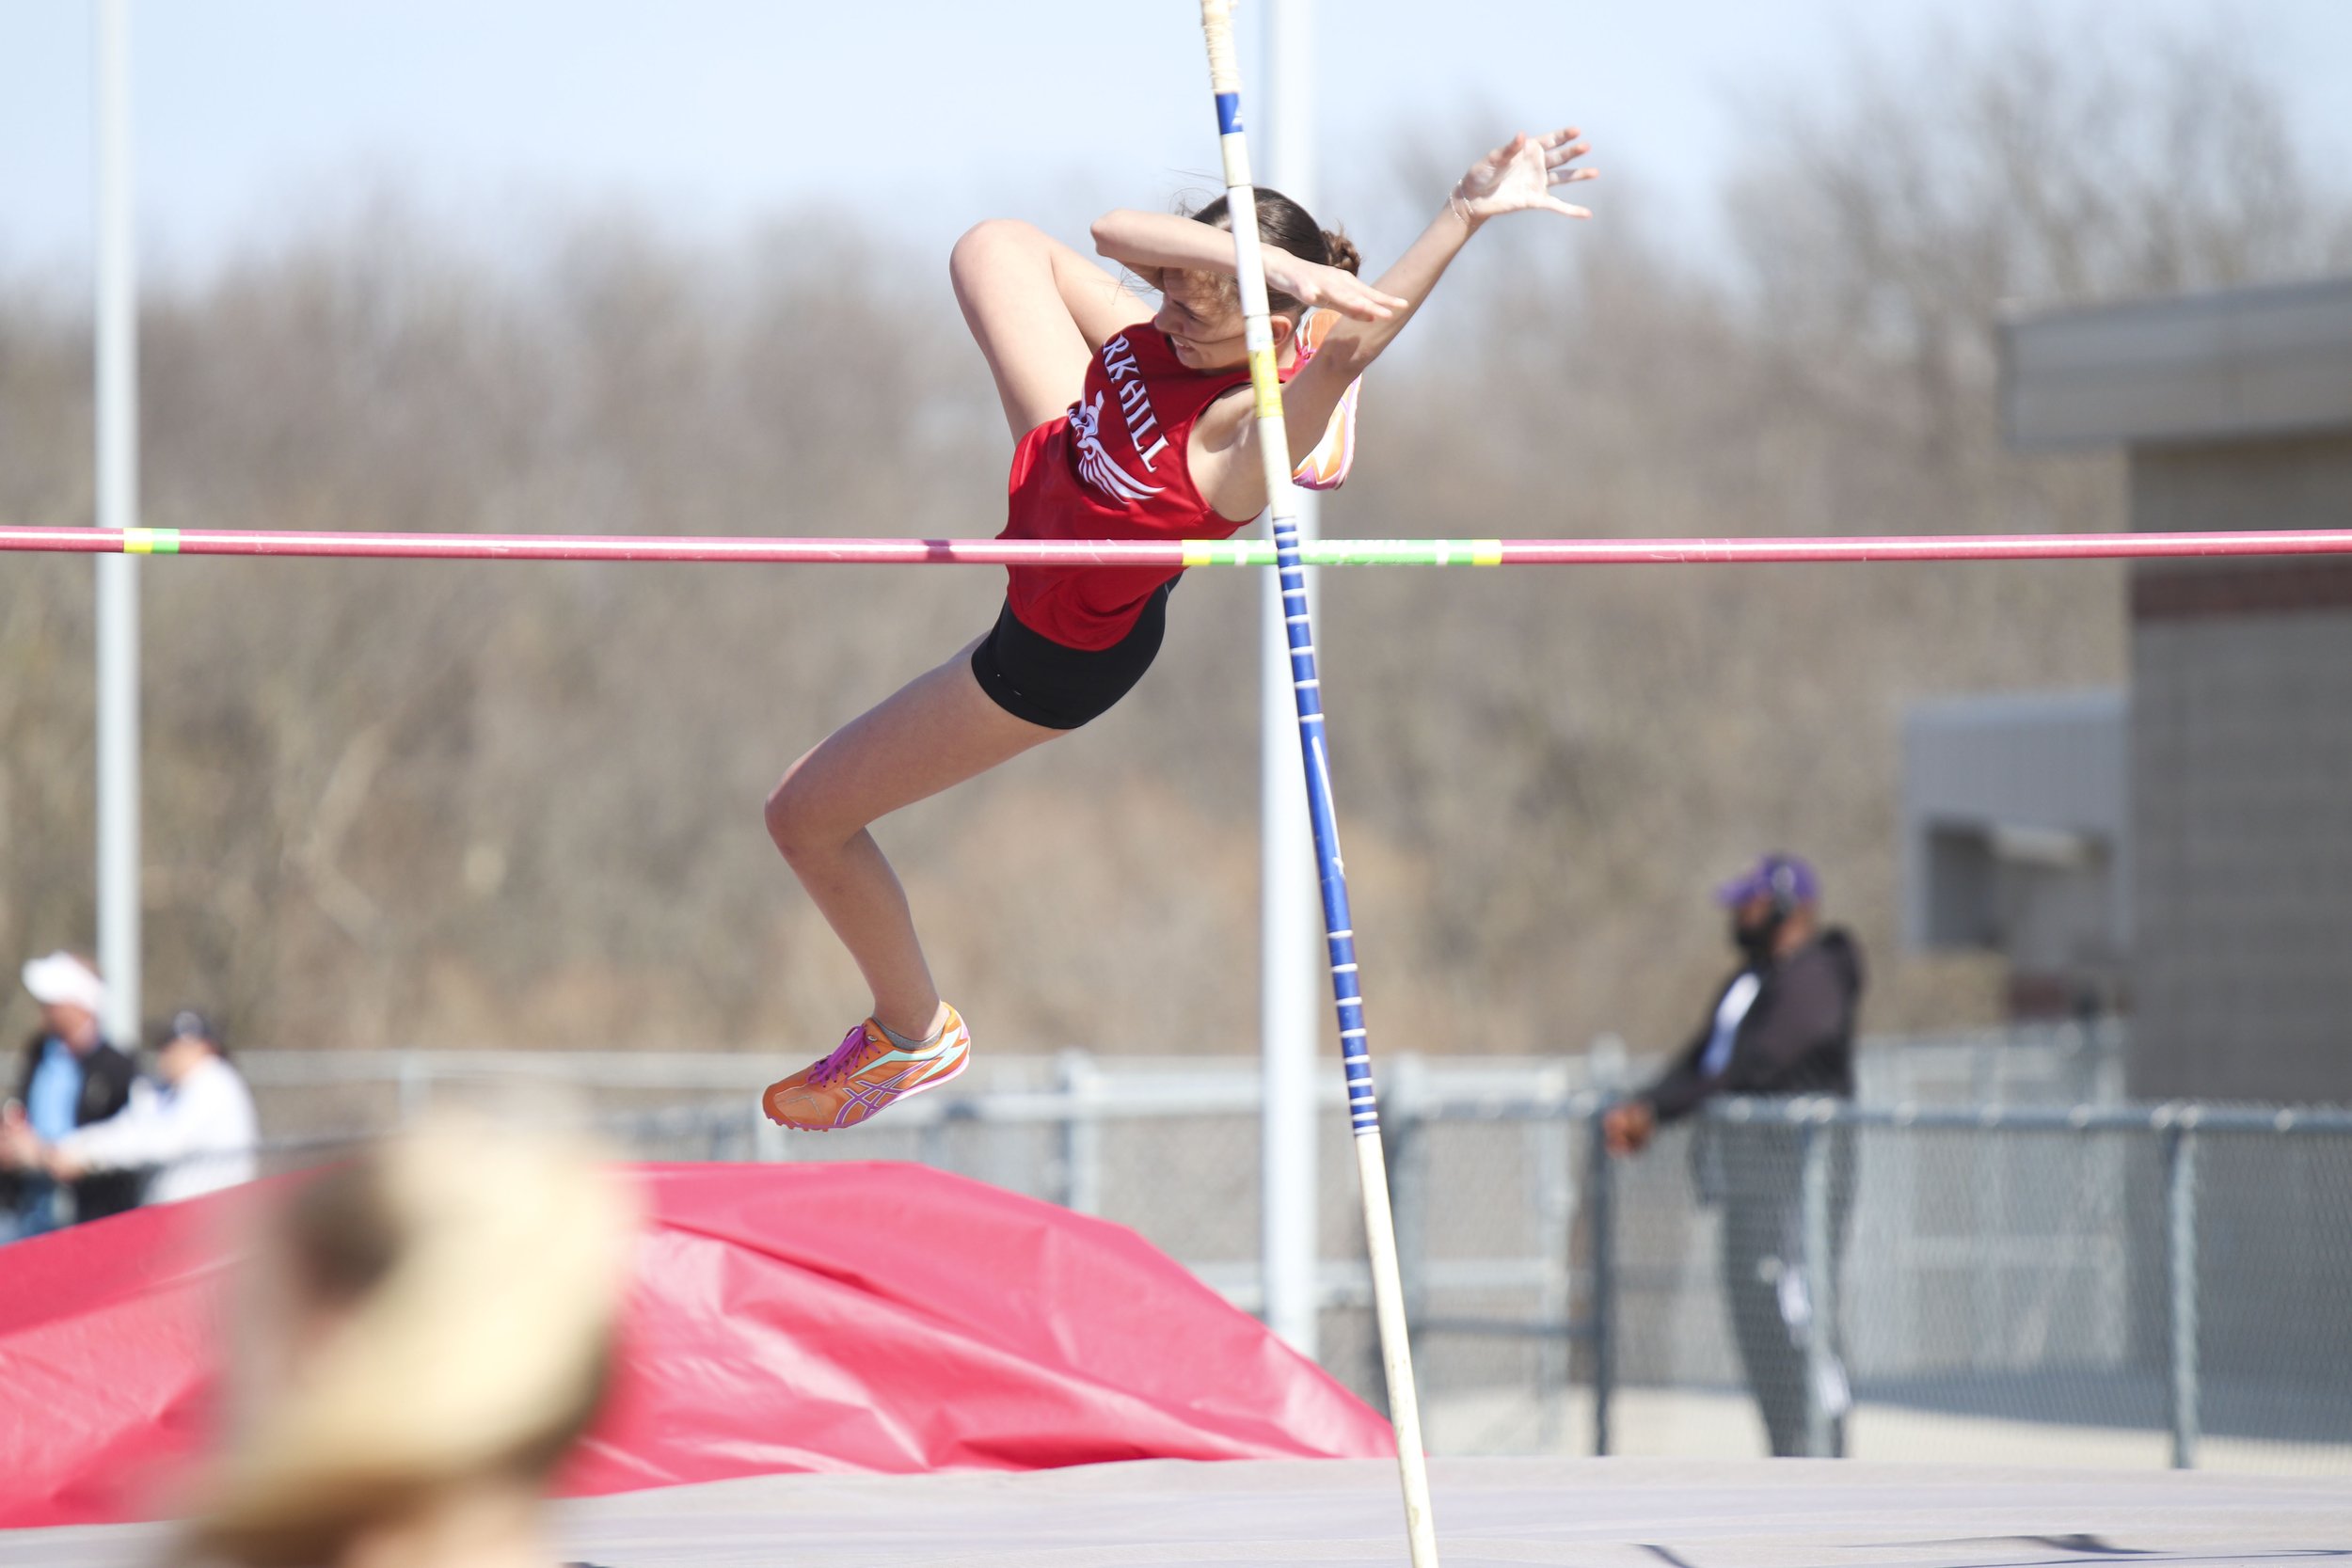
1988,1256
2123,1285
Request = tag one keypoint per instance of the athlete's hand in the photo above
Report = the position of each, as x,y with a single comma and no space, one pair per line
1517,177
1312,283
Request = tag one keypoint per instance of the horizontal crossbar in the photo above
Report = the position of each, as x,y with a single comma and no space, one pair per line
1171,552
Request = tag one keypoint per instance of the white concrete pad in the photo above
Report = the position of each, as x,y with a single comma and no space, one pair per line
1601,1513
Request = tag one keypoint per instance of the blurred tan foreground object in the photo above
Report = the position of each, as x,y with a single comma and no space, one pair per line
425,1333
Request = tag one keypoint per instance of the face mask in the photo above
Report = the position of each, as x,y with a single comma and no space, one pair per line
1757,940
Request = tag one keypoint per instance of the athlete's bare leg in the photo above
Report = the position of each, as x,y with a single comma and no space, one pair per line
1038,310
938,730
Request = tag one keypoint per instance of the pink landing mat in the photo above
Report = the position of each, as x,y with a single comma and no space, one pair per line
822,1317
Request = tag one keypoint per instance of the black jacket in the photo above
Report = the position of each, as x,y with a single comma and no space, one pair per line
106,1077
1796,1037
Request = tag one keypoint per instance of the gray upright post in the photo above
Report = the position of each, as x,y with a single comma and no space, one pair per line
117,591
1339,921
1290,922
1814,1197
2180,1208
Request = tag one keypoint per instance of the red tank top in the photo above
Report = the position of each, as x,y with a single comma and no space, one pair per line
1112,467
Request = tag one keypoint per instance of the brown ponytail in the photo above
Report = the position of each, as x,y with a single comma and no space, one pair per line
1283,222
1344,254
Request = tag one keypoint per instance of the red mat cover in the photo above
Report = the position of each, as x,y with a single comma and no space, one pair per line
842,1317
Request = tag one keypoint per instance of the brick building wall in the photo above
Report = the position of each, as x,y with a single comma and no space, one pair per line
2241,782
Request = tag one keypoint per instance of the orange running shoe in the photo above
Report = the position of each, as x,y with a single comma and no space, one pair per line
866,1074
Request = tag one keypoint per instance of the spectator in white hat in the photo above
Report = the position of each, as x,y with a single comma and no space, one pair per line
70,1077
193,1129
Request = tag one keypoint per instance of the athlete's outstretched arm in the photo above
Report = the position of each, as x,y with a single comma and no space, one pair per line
1517,177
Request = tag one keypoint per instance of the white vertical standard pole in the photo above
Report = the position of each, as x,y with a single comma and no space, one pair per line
1289,920
118,508
1387,1294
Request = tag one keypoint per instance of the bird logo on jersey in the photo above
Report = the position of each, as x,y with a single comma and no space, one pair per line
1094,463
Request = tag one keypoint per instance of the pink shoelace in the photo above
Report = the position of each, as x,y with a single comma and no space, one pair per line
832,1066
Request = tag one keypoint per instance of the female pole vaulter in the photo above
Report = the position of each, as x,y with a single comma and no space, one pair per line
1128,423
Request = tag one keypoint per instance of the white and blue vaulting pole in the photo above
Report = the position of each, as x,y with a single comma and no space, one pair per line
1387,1292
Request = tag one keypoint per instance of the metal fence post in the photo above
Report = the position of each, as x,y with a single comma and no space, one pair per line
1552,1171
2180,1209
1814,1141
416,1087
930,1145
770,1142
1404,1161
1408,1174
1081,1133
1601,1191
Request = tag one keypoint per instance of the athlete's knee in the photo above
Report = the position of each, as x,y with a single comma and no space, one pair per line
793,828
990,243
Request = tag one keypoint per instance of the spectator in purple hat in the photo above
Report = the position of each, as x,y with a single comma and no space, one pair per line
1781,1024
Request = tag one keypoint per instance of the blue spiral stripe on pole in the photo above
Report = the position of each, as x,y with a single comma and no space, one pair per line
1338,924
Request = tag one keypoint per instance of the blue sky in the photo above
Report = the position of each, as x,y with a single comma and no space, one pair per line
253,115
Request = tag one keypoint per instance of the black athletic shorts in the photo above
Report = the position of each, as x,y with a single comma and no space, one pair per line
1038,679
